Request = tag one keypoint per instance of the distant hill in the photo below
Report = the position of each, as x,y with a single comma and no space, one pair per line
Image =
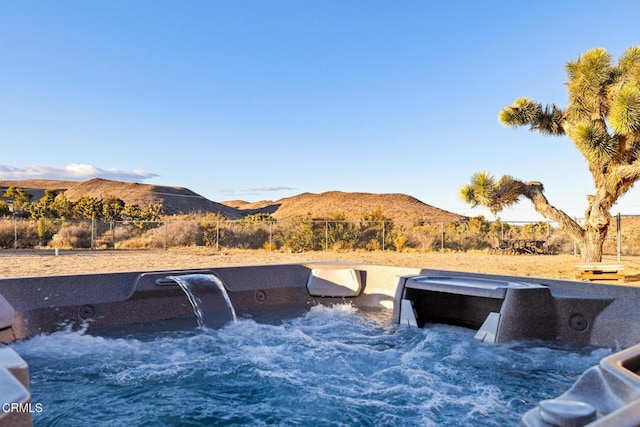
399,207
176,200
179,200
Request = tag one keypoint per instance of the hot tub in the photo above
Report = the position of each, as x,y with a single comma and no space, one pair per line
496,310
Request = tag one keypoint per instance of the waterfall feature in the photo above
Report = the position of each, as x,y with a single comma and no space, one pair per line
206,304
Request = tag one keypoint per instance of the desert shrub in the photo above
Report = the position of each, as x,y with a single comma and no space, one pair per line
559,243
256,237
629,236
210,227
7,235
171,234
73,236
400,241
133,234
246,234
425,237
474,233
373,245
26,231
630,249
252,233
341,245
301,235
47,228
135,242
210,232
342,234
177,233
395,236
4,208
376,230
269,246
226,236
120,233
106,235
369,232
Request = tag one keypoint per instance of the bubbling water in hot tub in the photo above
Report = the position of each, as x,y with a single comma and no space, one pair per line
331,366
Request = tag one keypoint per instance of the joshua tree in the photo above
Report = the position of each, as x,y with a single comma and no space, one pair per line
602,119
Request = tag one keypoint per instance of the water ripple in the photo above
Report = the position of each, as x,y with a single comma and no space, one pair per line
331,366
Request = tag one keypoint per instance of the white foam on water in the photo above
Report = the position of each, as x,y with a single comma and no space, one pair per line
330,366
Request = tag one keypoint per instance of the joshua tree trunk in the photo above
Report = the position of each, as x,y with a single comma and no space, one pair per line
590,237
591,244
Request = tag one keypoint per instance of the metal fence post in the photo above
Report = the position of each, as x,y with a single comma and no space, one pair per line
165,235
619,236
93,232
575,245
218,233
326,236
15,231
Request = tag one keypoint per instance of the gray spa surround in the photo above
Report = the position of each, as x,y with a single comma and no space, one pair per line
499,308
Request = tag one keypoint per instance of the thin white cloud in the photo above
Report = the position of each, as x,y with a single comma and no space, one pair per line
255,191
73,172
270,189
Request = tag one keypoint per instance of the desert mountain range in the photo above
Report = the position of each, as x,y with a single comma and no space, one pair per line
180,200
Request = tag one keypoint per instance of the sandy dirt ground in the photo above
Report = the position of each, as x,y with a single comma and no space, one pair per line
46,262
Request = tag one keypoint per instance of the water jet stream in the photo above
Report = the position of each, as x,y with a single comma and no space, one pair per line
197,288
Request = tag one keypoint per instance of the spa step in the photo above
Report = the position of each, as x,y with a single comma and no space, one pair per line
471,302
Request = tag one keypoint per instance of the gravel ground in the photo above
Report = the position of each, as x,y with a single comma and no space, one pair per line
46,262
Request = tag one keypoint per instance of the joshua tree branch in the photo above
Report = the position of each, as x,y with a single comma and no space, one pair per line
534,191
628,172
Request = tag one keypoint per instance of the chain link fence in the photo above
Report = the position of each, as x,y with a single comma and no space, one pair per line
294,235
297,235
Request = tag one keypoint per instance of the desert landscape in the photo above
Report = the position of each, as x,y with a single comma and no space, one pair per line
46,262
43,261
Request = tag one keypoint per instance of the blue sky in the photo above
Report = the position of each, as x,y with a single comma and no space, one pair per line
260,100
